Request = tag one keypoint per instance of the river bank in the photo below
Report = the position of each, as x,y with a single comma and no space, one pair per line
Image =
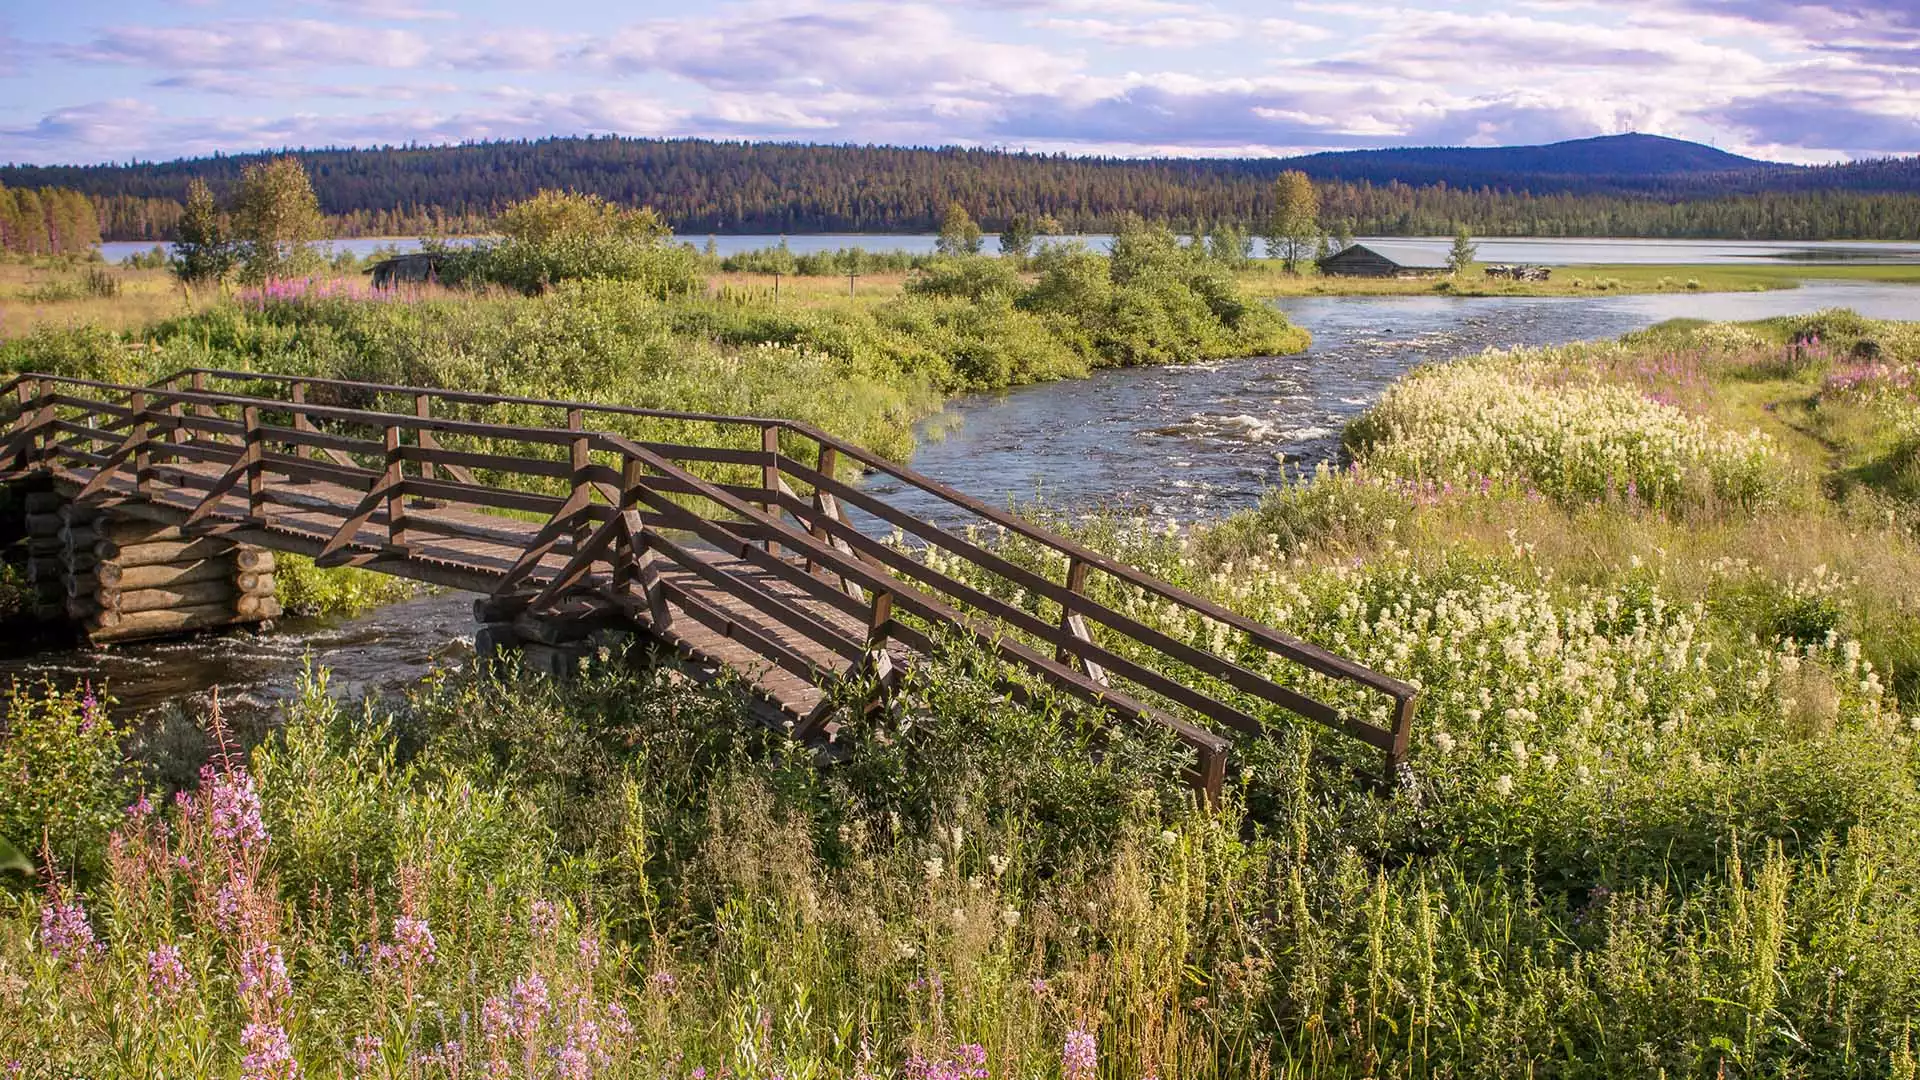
1663,783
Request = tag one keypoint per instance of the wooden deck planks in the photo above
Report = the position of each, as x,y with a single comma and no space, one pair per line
302,516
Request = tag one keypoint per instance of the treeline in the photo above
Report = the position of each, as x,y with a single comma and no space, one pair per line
46,221
712,187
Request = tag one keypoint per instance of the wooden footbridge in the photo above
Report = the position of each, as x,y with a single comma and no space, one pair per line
738,542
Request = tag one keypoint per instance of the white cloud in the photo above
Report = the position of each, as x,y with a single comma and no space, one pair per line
256,43
1171,32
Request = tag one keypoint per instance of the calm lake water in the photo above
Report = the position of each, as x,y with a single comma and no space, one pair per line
1543,251
1179,443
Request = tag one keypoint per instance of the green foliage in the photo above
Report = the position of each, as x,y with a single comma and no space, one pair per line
305,589
959,233
50,221
62,778
557,237
203,252
1294,227
1153,301
1461,255
973,277
276,219
154,258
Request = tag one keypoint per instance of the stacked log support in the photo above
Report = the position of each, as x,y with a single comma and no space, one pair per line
46,574
559,642
122,578
253,584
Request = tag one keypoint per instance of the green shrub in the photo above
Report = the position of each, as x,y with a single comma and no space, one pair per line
63,780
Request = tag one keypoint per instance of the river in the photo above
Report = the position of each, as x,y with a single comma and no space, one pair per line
1179,443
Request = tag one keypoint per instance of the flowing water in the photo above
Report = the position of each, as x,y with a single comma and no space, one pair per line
1180,443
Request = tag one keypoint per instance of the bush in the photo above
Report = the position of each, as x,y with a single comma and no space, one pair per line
976,278
62,777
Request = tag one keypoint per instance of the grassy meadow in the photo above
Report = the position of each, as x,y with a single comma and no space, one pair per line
1661,595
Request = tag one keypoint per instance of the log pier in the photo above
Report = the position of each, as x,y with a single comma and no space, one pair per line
114,575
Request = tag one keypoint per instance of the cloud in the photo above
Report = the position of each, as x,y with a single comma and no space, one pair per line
384,9
1087,75
254,86
121,124
1173,32
1810,118
249,44
862,46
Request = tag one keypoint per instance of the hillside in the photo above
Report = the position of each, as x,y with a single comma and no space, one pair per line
1627,185
1631,162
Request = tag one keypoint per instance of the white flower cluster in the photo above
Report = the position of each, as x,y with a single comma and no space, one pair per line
1523,417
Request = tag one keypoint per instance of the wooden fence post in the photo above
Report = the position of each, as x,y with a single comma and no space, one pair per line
27,395
877,661
579,458
396,503
770,478
142,456
824,505
298,395
423,408
256,471
1073,623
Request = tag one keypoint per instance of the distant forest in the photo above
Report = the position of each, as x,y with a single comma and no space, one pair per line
704,187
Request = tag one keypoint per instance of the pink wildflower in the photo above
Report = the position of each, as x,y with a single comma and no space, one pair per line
495,1019
530,1003
1079,1055
236,807
543,918
269,1053
413,940
365,1049
580,1054
166,972
65,932
263,973
618,1022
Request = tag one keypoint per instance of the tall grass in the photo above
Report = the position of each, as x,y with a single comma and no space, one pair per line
1660,819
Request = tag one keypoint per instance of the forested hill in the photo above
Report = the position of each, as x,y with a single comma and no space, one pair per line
1620,185
1610,163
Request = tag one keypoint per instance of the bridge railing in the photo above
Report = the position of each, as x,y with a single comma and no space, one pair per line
606,497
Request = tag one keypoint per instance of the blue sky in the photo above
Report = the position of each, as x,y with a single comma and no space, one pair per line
1799,80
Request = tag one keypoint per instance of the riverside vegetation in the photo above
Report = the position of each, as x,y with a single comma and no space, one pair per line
1659,819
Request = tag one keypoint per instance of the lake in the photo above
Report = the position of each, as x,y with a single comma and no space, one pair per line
1541,250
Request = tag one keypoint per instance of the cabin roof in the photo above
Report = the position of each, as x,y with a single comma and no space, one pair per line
1405,256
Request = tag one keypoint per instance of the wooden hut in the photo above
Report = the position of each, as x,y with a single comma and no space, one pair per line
1380,260
417,268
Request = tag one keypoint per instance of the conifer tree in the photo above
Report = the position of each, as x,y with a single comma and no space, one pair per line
202,251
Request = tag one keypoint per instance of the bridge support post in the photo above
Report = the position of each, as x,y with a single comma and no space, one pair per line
112,576
557,642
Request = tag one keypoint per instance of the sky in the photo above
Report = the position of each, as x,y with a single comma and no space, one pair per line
84,81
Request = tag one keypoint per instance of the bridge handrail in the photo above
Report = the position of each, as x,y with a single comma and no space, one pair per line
1302,652
1298,651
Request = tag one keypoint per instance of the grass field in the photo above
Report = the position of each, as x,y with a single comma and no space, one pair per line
1661,597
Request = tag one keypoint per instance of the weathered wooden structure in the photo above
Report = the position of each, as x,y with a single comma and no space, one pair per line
414,268
122,576
1518,271
1379,260
741,548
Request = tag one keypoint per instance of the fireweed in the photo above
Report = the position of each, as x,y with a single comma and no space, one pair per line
1658,816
